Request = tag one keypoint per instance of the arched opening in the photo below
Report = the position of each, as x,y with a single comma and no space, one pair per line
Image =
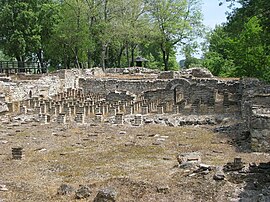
178,94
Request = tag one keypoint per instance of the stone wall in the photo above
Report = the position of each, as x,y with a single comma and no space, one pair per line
255,110
259,125
104,86
72,78
123,96
161,95
3,105
131,70
168,75
253,92
45,86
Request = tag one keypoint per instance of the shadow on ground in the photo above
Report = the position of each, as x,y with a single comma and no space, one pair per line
238,135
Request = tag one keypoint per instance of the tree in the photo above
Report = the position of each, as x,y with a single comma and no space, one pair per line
241,47
188,50
175,22
21,28
71,37
48,16
251,58
218,53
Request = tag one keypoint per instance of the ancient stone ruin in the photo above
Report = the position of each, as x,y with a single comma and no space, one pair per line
137,96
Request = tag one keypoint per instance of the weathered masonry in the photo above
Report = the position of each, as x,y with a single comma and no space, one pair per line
132,96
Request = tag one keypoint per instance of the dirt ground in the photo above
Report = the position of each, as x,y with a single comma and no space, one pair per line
135,161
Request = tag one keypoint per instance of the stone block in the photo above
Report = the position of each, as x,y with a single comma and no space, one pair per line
98,118
144,109
193,157
137,120
119,118
106,195
160,109
80,118
17,153
61,118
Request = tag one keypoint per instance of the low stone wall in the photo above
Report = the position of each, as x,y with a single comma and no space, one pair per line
131,70
168,75
162,95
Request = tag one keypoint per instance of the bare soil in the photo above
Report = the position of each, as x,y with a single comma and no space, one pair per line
135,161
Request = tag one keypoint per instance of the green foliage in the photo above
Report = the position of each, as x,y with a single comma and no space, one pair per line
70,40
252,59
188,51
19,29
241,47
23,27
4,57
86,33
175,22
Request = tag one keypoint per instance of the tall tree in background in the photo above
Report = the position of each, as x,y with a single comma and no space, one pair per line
241,47
175,21
23,27
71,35
105,33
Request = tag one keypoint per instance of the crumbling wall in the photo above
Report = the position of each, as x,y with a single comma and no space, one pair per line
123,96
131,70
182,95
21,90
45,86
205,94
253,92
72,78
104,86
259,125
168,75
255,111
161,95
3,105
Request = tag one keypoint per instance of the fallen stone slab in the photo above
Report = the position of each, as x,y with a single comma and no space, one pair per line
219,175
65,189
106,195
3,187
82,192
192,158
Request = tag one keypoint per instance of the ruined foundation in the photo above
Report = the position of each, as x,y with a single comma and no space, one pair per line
75,96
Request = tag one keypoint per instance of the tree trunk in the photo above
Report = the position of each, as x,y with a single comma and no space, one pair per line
165,55
41,61
89,59
20,60
132,55
120,56
167,60
127,55
103,55
65,57
77,65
